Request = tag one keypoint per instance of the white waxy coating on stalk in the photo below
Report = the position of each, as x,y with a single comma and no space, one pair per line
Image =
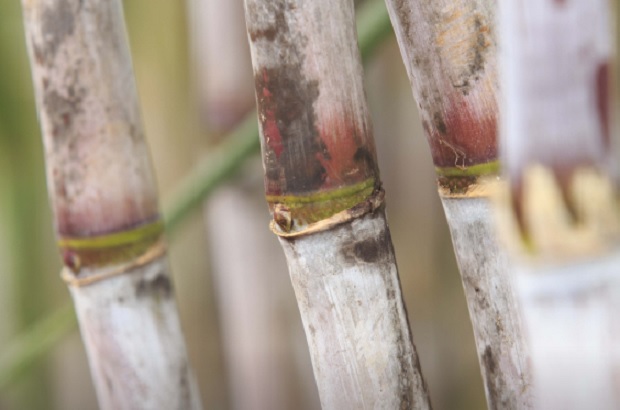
491,298
571,314
350,300
134,342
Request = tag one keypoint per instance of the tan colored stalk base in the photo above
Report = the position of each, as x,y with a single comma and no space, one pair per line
355,320
133,338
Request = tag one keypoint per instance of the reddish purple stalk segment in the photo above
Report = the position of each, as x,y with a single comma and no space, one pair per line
315,138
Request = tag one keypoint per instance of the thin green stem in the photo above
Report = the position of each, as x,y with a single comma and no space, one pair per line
373,25
215,168
35,343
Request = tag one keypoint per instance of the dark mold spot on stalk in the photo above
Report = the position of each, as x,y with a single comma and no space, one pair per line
185,388
365,158
370,250
402,8
470,282
57,23
269,33
292,141
494,382
490,365
477,50
159,286
61,110
285,98
439,123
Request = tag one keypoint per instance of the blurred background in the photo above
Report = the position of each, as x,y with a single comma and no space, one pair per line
183,125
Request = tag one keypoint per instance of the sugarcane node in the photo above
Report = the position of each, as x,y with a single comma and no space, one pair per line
159,286
468,182
368,205
86,276
456,185
111,248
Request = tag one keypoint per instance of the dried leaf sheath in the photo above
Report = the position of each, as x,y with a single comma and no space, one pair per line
322,184
104,201
449,48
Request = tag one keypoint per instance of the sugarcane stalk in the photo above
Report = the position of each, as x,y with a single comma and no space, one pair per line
559,214
324,193
211,171
449,52
104,202
221,61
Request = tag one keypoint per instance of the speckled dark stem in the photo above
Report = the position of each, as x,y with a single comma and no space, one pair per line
316,134
449,51
323,188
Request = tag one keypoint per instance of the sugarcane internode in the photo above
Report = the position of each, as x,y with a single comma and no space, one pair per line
320,164
450,59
